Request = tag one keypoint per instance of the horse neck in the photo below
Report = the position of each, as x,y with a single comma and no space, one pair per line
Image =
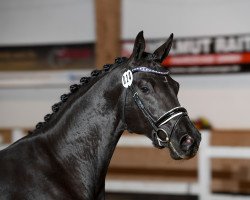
86,135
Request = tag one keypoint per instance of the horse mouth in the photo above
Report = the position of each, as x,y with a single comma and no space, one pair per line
177,154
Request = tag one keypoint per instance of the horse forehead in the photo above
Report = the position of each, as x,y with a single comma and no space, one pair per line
151,76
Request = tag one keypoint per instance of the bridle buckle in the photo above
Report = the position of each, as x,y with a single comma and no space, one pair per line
159,139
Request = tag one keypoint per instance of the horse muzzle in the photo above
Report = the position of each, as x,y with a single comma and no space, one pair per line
182,138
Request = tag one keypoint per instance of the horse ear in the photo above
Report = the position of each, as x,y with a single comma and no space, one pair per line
139,46
162,52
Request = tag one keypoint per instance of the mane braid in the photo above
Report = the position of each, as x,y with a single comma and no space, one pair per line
84,81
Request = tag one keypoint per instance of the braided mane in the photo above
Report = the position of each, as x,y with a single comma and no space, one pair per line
85,84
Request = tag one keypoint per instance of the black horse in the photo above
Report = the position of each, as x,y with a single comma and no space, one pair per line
67,156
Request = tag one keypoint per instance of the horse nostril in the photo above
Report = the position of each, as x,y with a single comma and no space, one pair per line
186,142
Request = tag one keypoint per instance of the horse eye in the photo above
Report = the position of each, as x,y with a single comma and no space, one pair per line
144,89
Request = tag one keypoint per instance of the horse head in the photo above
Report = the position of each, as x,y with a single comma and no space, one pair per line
152,107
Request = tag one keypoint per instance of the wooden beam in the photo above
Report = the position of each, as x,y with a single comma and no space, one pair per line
108,31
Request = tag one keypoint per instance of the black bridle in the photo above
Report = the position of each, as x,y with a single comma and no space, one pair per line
175,112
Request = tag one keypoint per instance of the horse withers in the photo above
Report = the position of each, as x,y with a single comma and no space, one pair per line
67,155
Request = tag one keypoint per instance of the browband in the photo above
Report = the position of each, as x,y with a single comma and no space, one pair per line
145,69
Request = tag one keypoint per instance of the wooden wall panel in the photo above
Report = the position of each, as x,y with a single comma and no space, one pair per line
149,158
108,31
229,175
231,138
5,136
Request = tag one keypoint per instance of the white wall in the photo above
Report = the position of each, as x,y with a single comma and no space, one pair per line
25,97
24,108
218,98
159,18
223,99
46,21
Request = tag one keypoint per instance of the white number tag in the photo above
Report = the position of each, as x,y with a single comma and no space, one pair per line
127,78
